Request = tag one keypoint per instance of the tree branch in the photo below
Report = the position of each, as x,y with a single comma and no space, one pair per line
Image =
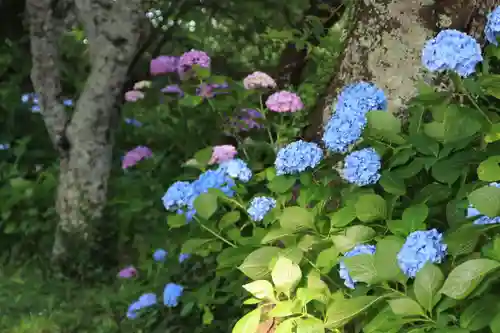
45,73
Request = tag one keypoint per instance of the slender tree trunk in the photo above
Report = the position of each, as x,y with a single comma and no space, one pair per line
384,47
85,138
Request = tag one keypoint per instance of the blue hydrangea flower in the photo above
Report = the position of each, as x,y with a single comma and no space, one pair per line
183,256
237,169
217,179
259,207
362,167
68,102
482,219
179,196
419,248
160,255
171,294
4,146
297,157
343,130
452,50
344,272
359,98
145,301
492,28
133,122
346,125
31,98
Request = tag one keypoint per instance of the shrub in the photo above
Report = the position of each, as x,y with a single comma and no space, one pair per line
391,228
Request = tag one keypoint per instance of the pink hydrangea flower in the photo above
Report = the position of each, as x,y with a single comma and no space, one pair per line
222,154
134,95
258,80
284,101
193,57
163,65
135,156
127,272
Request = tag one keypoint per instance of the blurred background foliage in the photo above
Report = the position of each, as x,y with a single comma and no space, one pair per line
294,41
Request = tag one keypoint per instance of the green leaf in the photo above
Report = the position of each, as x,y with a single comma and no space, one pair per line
201,246
281,184
284,309
176,221
248,323
286,326
401,157
489,169
385,259
493,134
310,325
286,275
343,216
459,124
464,278
231,257
463,240
424,144
495,324
203,156
383,121
275,234
327,259
361,267
487,200
353,235
479,314
229,219
342,311
385,321
190,101
261,289
405,307
371,207
206,204
256,264
410,170
201,72
392,183
427,283
296,218
490,84
433,193
414,217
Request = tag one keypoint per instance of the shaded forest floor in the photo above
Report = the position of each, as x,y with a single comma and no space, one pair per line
31,304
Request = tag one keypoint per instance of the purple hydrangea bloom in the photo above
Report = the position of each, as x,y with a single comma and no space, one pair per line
193,57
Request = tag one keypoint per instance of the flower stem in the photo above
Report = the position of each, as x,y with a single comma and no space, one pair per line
214,233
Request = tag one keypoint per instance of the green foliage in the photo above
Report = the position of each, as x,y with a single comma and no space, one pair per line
434,169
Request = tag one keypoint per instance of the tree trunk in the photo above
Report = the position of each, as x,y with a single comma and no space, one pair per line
84,139
384,47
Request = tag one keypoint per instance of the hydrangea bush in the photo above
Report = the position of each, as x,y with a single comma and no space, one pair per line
381,227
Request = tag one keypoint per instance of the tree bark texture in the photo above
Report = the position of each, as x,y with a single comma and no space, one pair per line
84,138
385,43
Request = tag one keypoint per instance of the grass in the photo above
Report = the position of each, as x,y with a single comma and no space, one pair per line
31,304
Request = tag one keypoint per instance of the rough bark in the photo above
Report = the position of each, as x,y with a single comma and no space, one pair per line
384,47
84,140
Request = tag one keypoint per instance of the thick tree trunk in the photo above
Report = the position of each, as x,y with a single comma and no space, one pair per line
384,47
85,139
